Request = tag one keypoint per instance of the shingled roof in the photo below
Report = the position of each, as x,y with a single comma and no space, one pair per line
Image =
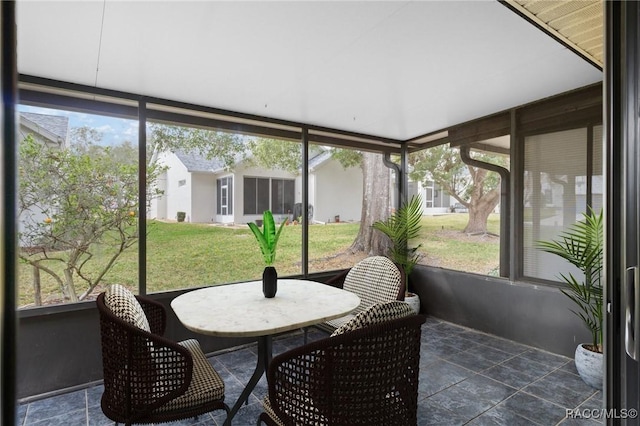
54,124
195,163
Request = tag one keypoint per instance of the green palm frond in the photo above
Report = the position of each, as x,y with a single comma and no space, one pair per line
401,227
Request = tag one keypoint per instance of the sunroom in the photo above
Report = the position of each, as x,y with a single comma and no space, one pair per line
273,101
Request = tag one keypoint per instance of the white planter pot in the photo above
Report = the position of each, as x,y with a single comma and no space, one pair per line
413,300
590,366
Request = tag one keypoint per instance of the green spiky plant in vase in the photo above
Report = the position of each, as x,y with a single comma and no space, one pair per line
268,240
582,246
401,227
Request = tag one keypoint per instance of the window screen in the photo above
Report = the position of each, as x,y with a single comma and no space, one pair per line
555,195
256,195
282,196
597,182
250,195
224,188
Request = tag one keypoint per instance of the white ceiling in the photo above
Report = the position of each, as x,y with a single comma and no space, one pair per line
397,69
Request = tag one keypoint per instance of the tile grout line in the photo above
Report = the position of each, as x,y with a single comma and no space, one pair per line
518,390
544,399
26,413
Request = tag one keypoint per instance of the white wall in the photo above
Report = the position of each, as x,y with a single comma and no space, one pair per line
203,197
158,205
337,191
176,198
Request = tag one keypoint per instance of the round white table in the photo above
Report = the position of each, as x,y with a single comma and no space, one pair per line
241,310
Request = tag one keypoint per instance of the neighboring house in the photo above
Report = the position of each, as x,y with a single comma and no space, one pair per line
434,199
208,193
188,185
51,130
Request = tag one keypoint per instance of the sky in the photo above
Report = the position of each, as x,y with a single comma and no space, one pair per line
114,130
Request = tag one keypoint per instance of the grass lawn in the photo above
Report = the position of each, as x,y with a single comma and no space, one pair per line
183,255
444,245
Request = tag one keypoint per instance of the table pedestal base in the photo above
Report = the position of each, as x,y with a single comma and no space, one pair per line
265,348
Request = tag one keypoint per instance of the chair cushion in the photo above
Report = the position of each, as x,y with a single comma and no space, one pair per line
306,402
266,405
376,314
206,385
338,322
124,305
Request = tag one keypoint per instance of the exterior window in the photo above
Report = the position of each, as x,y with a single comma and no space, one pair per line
217,192
224,193
282,196
336,202
78,205
258,197
557,190
182,182
460,226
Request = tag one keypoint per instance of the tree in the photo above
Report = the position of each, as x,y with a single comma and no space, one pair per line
475,188
74,204
275,153
375,205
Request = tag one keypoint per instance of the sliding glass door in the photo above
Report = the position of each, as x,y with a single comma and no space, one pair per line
623,214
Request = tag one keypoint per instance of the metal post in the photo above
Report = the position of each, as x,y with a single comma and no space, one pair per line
305,202
8,220
142,196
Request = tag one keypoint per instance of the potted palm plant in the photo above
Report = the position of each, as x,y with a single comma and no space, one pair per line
582,246
268,240
401,227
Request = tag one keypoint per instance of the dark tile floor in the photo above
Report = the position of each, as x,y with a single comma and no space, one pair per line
466,378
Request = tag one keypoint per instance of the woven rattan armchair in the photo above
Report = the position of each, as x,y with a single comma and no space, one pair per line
364,377
148,378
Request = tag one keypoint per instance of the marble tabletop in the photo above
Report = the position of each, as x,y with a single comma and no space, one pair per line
240,309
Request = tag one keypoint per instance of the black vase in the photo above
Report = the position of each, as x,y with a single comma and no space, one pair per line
269,282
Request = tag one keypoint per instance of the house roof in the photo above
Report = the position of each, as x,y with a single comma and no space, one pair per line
197,163
392,69
54,127
319,159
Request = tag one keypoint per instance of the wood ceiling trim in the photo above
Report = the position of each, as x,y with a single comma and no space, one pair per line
577,24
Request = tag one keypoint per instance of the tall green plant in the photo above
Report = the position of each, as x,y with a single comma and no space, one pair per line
402,226
268,237
582,246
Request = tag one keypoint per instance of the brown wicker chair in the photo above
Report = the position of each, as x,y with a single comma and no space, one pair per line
148,378
368,376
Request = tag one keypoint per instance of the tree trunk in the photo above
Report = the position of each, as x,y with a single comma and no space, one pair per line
477,223
479,211
68,290
375,206
37,292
